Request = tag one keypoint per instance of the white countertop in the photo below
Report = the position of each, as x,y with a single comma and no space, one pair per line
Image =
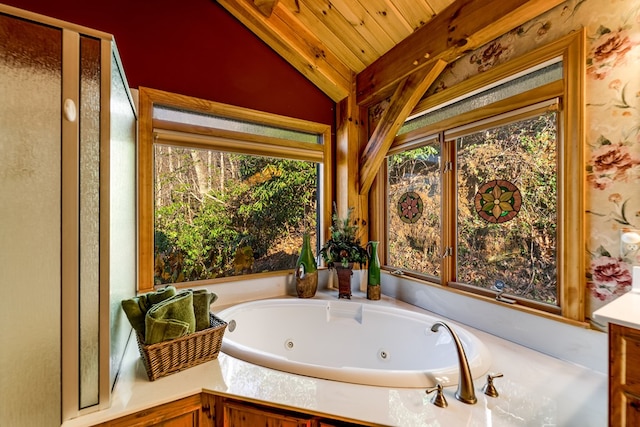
625,310
536,390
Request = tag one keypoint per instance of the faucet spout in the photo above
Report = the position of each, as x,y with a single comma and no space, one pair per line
465,392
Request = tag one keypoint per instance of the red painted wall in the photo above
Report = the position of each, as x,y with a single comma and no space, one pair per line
195,48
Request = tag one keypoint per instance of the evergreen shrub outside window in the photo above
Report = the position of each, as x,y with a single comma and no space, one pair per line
220,214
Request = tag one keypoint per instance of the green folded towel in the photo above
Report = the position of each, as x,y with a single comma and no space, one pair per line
136,308
152,298
170,319
135,311
202,300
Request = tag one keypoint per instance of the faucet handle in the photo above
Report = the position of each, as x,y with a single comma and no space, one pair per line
438,399
489,389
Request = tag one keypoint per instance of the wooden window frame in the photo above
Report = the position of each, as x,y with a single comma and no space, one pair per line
450,140
151,130
571,214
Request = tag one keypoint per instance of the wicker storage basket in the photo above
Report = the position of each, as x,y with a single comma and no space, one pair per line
167,357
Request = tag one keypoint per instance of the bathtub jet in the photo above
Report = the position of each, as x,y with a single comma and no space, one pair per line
350,342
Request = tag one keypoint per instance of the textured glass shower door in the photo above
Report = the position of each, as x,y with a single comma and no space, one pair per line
30,221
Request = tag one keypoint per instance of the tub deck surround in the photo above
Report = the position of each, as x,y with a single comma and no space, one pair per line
574,344
536,389
349,341
624,310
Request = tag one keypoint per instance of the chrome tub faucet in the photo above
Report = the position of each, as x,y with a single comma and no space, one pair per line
465,392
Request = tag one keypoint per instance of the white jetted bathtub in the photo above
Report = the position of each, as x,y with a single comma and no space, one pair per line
349,341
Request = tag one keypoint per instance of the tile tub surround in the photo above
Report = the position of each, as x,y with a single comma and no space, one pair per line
536,389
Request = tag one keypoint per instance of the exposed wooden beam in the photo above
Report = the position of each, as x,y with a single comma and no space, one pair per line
403,101
462,27
351,137
265,6
304,51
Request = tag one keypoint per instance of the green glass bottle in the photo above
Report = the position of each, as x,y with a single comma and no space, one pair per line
373,272
306,270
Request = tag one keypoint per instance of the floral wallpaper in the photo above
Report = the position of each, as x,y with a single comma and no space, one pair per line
612,158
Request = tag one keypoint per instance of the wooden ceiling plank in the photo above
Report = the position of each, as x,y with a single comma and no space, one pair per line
297,46
308,23
388,17
313,25
415,12
334,26
403,101
463,26
432,12
364,24
322,59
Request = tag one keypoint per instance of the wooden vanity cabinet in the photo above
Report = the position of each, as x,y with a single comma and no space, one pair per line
237,413
624,376
187,412
209,410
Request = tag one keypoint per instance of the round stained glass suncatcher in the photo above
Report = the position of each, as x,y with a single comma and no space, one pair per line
410,207
498,201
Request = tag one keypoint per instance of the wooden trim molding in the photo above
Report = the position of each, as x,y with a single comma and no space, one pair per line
145,190
572,269
265,6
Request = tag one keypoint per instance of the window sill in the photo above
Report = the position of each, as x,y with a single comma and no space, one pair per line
488,299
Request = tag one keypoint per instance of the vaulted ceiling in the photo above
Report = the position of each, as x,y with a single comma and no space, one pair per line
359,52
376,43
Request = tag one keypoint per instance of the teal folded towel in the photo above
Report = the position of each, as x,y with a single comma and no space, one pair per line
136,308
202,300
170,319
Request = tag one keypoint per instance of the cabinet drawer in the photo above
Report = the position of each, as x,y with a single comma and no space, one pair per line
624,376
238,415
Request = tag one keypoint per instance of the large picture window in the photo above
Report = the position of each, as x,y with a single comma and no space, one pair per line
231,190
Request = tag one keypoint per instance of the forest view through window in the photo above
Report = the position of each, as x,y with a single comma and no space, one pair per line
221,214
507,208
506,199
485,184
414,242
